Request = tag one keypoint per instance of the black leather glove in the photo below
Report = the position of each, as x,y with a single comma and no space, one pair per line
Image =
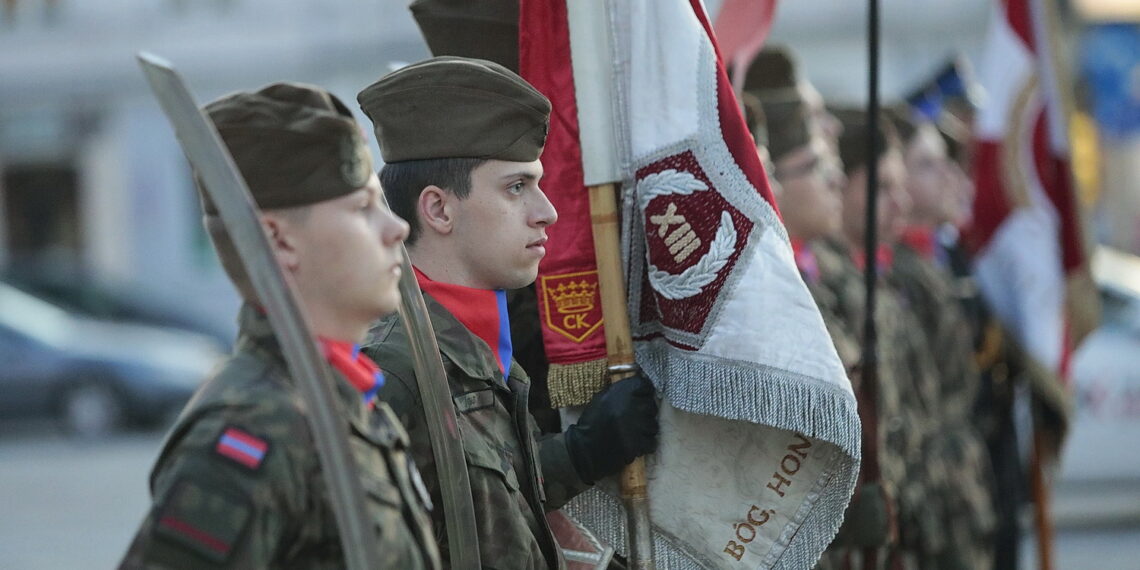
617,426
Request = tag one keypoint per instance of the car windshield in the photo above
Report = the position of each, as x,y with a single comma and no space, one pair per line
32,316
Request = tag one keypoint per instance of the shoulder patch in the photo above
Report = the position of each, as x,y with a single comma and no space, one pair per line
242,447
207,522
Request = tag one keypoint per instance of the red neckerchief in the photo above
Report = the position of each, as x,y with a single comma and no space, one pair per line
482,311
884,258
360,371
805,261
921,239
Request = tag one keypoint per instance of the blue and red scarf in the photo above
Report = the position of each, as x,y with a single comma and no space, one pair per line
360,371
884,258
805,261
921,239
482,311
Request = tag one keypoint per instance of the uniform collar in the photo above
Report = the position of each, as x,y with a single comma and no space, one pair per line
884,259
465,350
921,239
359,370
806,261
256,334
482,312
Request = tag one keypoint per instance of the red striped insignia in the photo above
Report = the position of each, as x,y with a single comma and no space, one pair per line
203,519
203,538
242,447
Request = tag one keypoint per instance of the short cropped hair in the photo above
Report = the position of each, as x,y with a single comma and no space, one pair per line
404,181
228,253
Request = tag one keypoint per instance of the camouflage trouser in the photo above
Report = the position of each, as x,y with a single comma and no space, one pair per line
904,481
968,513
885,559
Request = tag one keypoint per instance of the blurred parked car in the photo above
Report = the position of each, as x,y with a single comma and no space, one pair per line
75,292
94,375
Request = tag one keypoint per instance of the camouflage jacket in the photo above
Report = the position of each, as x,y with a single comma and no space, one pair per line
958,446
819,284
505,463
904,413
930,295
238,485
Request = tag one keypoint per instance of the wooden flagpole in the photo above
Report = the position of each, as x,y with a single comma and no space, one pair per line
1054,82
592,59
604,220
1043,522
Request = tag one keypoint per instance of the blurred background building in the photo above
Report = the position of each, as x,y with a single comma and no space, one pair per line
98,211
97,207
96,202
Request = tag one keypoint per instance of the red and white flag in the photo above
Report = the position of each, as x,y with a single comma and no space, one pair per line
1031,264
760,436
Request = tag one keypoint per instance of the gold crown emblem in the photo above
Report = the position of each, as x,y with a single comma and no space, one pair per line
574,297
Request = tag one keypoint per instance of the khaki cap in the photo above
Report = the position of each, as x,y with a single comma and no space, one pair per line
454,107
294,144
789,121
773,80
486,29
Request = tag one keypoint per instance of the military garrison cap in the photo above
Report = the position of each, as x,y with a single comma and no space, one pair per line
853,141
454,107
773,68
487,29
772,79
755,118
789,121
294,144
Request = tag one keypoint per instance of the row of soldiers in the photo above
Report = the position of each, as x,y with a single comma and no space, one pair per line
237,483
941,480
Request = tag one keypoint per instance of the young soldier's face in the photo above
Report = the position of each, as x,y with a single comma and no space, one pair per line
500,227
812,181
962,211
892,201
348,255
930,180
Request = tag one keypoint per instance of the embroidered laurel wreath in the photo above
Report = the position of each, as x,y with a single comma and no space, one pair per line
694,278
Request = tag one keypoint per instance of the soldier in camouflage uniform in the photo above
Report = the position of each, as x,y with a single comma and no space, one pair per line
461,140
967,511
238,483
802,140
905,366
1001,363
804,171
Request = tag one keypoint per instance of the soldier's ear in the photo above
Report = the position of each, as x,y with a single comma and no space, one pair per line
435,208
281,240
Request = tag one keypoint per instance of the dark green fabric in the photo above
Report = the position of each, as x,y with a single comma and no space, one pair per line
773,80
905,428
853,139
277,515
773,68
487,29
454,107
514,478
967,502
294,144
788,120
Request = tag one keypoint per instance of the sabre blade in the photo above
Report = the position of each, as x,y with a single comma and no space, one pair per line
225,186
